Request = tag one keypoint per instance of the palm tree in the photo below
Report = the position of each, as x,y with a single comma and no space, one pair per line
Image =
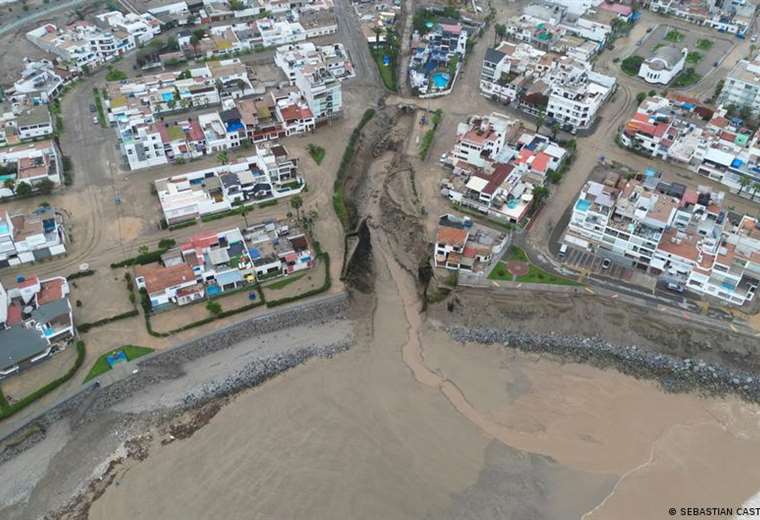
755,189
743,183
222,157
500,31
244,213
378,31
297,202
540,120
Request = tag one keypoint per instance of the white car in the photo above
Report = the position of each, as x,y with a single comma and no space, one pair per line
95,120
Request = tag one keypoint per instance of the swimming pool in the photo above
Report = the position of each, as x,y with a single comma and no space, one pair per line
440,80
512,203
582,205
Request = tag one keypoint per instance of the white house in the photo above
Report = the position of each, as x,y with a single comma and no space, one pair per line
664,65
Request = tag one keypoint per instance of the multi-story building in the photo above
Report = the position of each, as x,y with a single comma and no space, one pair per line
30,238
481,138
741,87
322,91
40,82
279,32
81,44
142,147
564,89
33,162
269,174
679,234
291,58
141,28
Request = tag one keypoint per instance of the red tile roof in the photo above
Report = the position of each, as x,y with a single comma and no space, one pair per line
32,280
159,278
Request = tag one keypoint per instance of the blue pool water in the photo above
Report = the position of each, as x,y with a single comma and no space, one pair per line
167,96
512,203
440,80
582,205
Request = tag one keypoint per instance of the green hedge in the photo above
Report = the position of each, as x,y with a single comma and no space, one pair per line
7,410
84,327
80,274
141,259
182,225
339,201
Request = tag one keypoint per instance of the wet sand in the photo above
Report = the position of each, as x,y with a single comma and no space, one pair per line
409,424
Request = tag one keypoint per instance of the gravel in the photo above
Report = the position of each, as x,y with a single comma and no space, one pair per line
673,373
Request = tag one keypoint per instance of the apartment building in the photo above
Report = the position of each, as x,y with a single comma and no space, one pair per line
141,27
40,83
81,44
679,234
741,87
322,91
279,32
291,58
566,90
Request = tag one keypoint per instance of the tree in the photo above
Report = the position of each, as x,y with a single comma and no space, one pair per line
296,202
540,120
196,37
743,183
378,31
554,128
539,195
755,189
214,307
244,213
172,44
23,189
641,96
9,184
500,31
222,157
45,186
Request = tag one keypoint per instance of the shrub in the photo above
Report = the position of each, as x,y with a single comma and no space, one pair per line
214,307
631,65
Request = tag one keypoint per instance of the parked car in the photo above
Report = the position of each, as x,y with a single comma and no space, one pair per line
95,120
562,250
675,286
606,263
92,108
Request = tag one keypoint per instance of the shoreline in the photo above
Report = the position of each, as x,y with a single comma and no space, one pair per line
674,375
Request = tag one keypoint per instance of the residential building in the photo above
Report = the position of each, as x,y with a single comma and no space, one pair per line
82,44
461,245
291,58
35,322
26,238
436,56
279,32
33,163
322,91
141,28
741,87
40,82
269,174
683,236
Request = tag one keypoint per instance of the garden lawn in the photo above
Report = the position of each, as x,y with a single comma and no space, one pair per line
631,65
537,275
284,282
686,78
674,36
101,365
704,45
515,253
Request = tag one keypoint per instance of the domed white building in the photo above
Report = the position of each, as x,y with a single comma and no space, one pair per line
662,66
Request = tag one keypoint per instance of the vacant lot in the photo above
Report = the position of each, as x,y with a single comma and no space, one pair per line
102,295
